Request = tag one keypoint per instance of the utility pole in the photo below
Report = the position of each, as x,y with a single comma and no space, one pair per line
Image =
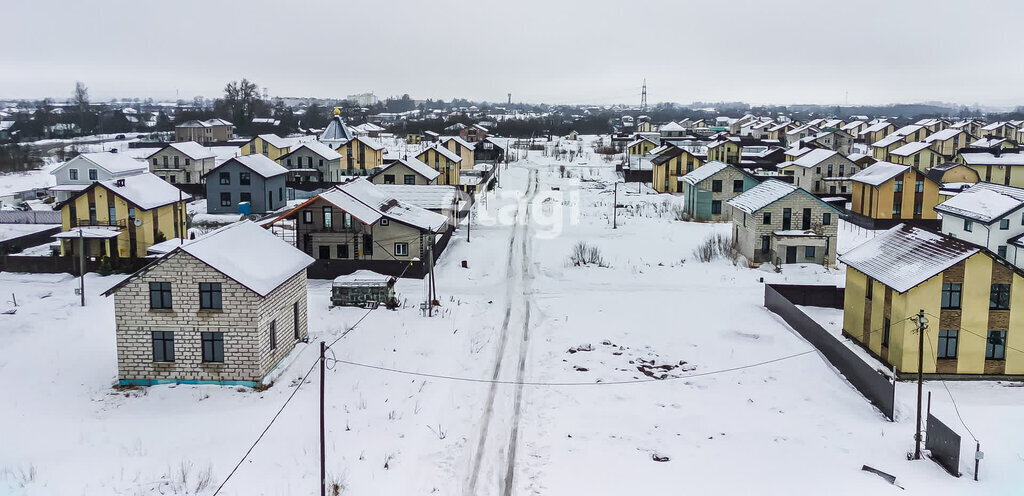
615,206
433,287
323,448
469,217
922,324
81,264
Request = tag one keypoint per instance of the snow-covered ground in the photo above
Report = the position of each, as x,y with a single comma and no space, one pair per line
538,377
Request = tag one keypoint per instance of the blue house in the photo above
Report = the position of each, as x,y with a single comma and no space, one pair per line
254,179
710,186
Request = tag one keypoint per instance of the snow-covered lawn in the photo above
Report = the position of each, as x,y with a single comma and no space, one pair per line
591,417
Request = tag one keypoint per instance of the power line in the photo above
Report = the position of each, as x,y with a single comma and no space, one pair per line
950,393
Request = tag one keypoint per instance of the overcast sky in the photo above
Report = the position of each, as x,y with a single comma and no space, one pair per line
551,51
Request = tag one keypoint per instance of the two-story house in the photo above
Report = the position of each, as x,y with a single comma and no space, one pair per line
122,217
948,142
970,297
998,167
271,146
182,163
988,215
876,131
312,161
444,161
777,222
707,189
360,156
728,150
355,220
208,131
918,154
226,309
78,173
461,148
254,180
409,171
821,171
670,164
888,193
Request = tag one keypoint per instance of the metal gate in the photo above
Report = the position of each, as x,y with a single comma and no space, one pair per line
944,445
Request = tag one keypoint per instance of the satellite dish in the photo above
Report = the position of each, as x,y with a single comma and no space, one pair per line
138,222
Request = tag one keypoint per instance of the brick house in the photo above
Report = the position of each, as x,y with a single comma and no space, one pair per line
223,309
778,222
182,162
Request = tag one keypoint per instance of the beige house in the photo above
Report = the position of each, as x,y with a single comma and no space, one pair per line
408,171
225,309
777,222
312,161
821,171
182,163
208,131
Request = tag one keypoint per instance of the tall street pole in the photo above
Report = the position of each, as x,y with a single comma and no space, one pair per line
921,326
323,449
81,264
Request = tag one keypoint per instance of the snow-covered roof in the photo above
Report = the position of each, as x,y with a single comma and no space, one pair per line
370,142
889,140
815,157
368,203
430,197
248,254
416,166
450,155
878,173
362,278
114,163
206,123
762,195
257,163
146,190
878,126
857,156
640,140
943,135
705,171
191,149
995,125
986,158
988,142
672,126
984,202
89,232
850,126
458,140
905,256
318,148
276,141
910,148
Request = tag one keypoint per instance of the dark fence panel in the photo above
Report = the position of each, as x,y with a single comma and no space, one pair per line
944,445
30,217
56,265
329,269
15,245
874,386
812,295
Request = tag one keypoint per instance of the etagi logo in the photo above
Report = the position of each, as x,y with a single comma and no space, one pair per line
545,212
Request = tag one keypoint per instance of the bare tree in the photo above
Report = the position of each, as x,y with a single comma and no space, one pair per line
241,98
81,100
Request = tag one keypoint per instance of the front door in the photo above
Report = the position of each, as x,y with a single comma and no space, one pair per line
790,254
325,252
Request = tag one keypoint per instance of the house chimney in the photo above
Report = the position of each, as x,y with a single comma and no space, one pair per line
119,183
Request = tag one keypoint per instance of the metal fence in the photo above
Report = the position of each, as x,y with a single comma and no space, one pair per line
944,445
30,217
69,264
876,387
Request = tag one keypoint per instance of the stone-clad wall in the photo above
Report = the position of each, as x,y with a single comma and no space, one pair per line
246,352
278,305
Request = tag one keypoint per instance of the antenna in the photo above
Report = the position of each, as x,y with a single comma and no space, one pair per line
643,97
510,98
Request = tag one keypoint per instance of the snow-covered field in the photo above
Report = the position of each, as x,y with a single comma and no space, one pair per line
537,377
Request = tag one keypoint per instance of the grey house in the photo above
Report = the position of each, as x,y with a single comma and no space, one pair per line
250,178
225,309
708,188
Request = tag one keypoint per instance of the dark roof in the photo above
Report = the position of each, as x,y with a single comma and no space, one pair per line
936,172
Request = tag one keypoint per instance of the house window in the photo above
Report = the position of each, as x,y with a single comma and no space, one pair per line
245,196
252,147
809,252
93,175
766,242
1001,251
155,161
870,291
951,292
273,334
346,220
897,209
244,178
886,325
947,343
898,186
295,320
842,169
188,162
327,214
716,186
73,175
1004,224
917,208
826,219
163,346
225,178
1000,297
829,170
265,148
225,199
737,186
995,347
213,347
307,216
210,295
166,164
389,179
160,295
342,251
919,186
716,207
409,179
172,179
176,161
968,225
384,221
401,249
767,218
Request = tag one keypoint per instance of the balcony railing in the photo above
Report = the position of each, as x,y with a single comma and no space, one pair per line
118,223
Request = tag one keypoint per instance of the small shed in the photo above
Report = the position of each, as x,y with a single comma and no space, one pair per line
362,287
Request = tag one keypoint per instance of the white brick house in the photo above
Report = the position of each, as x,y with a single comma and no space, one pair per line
222,309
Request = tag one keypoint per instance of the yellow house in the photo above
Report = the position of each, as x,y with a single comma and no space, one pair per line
725,150
360,156
123,217
880,149
461,148
645,127
444,161
948,142
953,178
671,164
918,154
1001,168
778,132
413,139
271,145
641,146
875,132
973,301
999,129
886,190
